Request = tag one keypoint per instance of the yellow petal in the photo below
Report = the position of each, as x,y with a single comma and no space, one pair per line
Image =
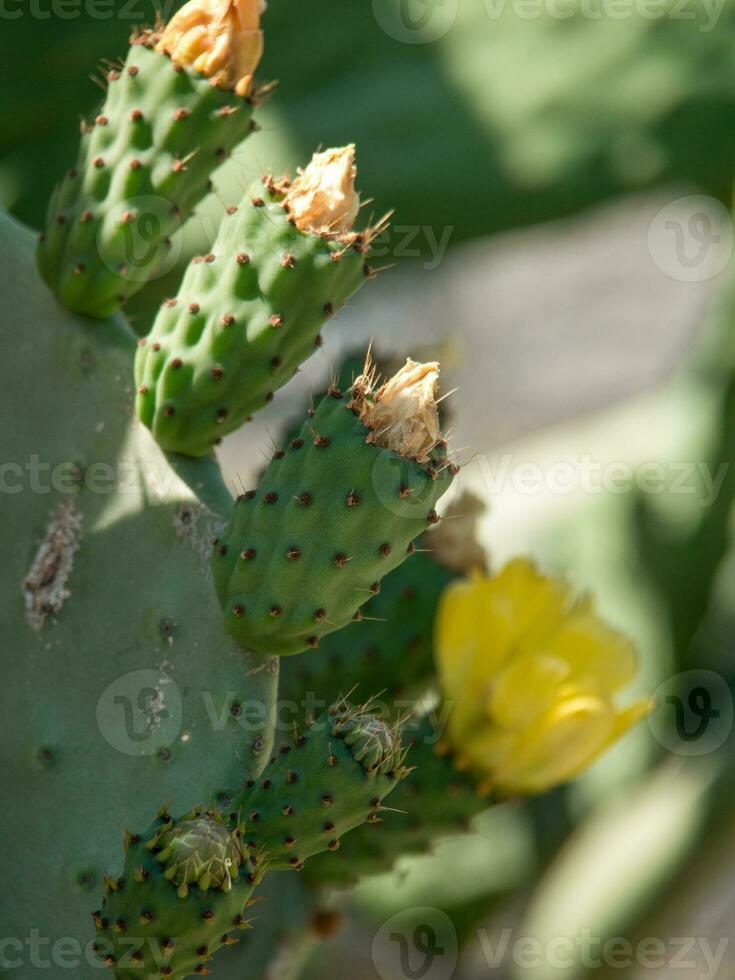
594,650
564,742
529,678
525,689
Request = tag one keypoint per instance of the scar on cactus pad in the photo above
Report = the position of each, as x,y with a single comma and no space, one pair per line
334,513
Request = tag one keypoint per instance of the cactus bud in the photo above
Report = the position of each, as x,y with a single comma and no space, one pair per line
323,198
371,741
199,851
218,38
402,415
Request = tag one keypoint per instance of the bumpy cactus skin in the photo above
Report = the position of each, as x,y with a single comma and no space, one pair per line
390,649
245,317
143,164
282,581
186,883
332,779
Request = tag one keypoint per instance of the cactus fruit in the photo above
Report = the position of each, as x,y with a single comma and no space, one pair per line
151,920
395,639
171,115
334,513
250,312
333,778
186,883
200,850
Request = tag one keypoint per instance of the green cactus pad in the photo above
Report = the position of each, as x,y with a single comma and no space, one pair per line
436,801
332,779
332,516
246,316
143,164
391,649
151,923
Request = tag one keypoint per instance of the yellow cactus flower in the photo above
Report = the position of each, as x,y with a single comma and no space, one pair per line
218,38
530,676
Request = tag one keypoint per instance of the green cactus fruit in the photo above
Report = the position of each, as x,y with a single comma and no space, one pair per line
334,513
436,801
182,896
250,312
332,779
144,162
390,651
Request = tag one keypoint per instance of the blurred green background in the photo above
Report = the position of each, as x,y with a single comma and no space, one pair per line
533,153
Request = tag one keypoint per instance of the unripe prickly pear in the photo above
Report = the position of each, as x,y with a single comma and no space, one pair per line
330,781
250,312
183,894
173,112
334,513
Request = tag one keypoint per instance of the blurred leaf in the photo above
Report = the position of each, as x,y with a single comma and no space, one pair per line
479,120
616,861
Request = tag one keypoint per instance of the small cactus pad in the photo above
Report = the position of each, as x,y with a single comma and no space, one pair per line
437,800
330,781
246,316
144,162
391,647
334,513
182,896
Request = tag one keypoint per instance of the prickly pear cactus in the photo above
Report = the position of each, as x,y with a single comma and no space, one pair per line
126,696
153,792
